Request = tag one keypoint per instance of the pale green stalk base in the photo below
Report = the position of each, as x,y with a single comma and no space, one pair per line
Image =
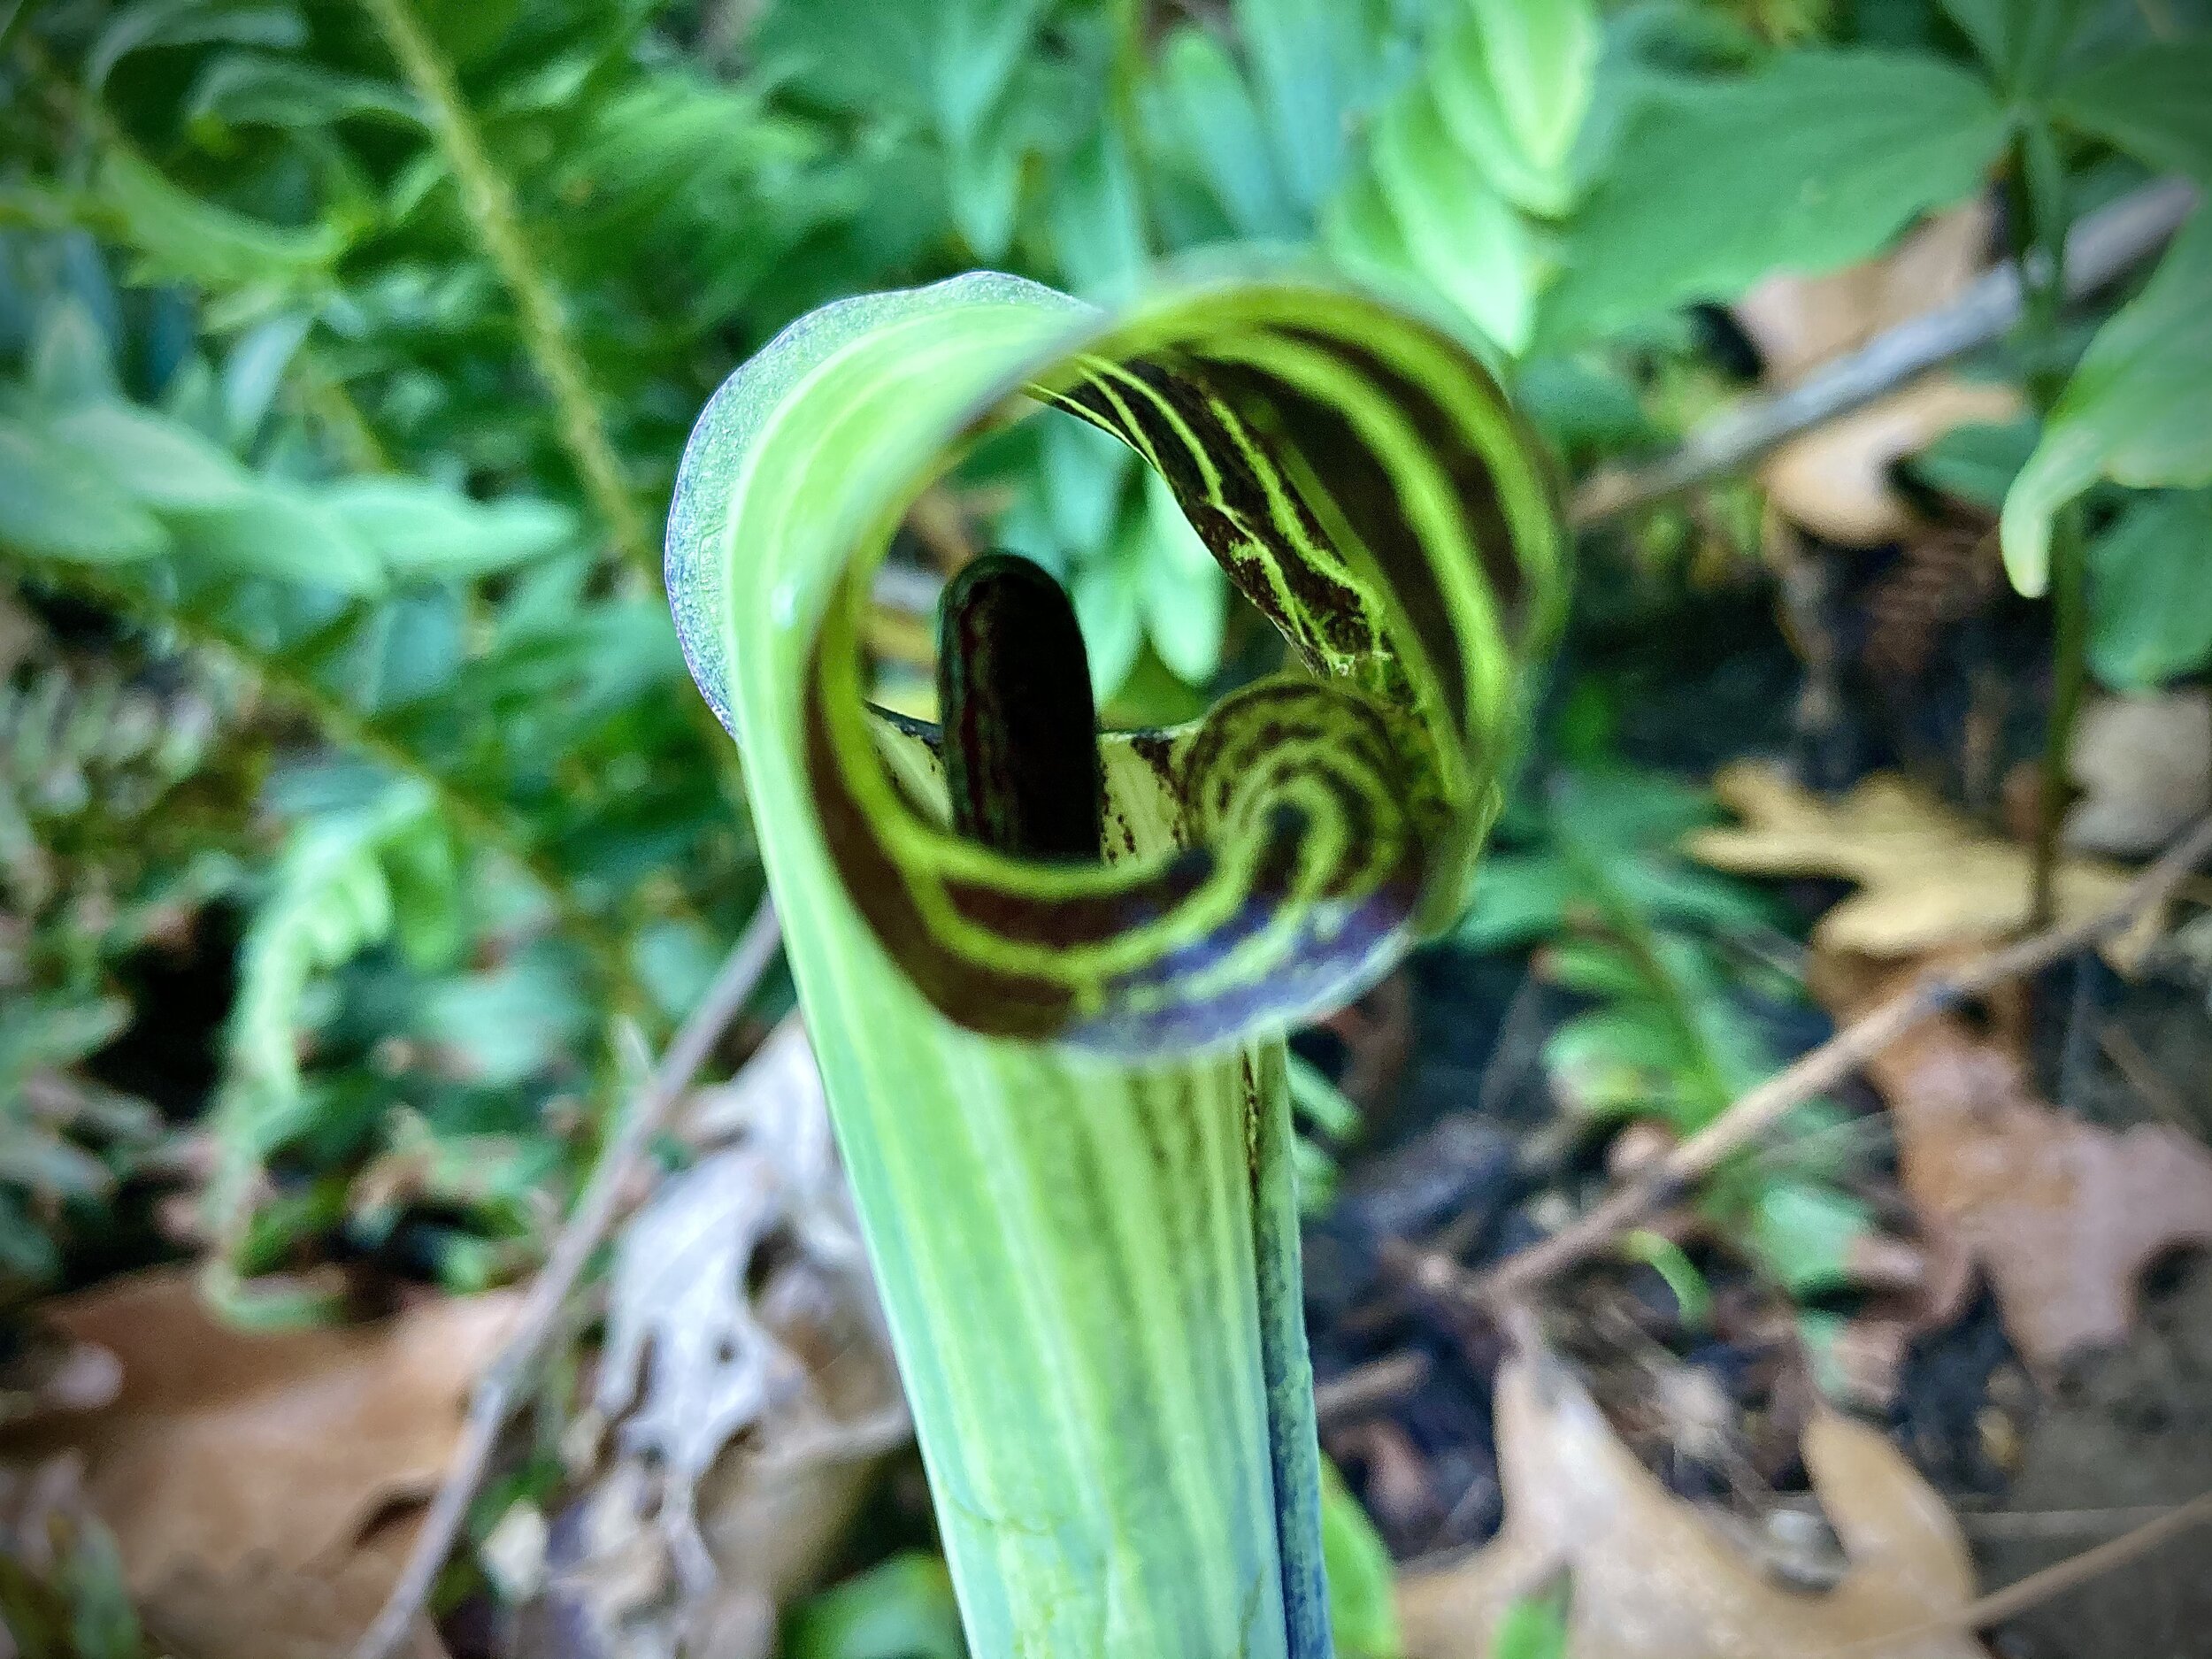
1090,1264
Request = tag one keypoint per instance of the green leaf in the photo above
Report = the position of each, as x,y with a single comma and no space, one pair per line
507,1024
1068,1129
1364,238
156,23
1220,131
421,533
254,371
1462,237
1977,463
2022,41
1528,166
1185,601
2155,103
1618,1061
1480,135
1818,161
177,235
1543,58
1098,221
1693,1295
163,462
1084,474
1539,59
1805,1234
54,504
1675,893
250,89
330,897
1518,898
953,66
72,358
1534,1627
1320,1101
903,1609
2139,410
283,531
2150,591
1362,1605
1314,63
1595,967
1108,597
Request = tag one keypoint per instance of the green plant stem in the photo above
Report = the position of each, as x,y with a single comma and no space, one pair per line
489,200
2035,189
1126,89
2070,665
327,399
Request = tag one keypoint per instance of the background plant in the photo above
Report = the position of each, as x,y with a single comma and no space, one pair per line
345,378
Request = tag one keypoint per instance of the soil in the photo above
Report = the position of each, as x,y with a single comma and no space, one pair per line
2038,1472
2129,1430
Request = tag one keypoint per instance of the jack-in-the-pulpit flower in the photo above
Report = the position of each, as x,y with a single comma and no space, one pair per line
1048,998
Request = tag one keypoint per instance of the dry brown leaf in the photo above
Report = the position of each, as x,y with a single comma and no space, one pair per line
753,1417
2144,766
1929,880
2060,1216
1800,322
1655,1578
251,1479
1834,480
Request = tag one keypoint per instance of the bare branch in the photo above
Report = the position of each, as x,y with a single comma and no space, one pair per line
502,1388
2105,245
1758,1112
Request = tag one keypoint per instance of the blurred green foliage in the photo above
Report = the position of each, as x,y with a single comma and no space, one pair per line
62,1592
336,385
1677,967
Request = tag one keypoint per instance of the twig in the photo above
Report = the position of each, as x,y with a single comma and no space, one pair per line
1366,1388
1757,1112
2144,1077
496,1395
2038,1588
2058,1522
854,1441
2102,247
488,199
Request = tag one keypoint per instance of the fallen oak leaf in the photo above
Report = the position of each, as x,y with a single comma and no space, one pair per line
2144,763
1928,878
1799,323
245,1474
267,1610
2060,1217
1654,1579
753,1416
1834,480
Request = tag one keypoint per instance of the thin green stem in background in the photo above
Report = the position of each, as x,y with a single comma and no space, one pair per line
2036,205
2069,664
489,200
